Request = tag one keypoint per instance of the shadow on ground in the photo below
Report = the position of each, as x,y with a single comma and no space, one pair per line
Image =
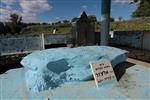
5,68
120,69
8,62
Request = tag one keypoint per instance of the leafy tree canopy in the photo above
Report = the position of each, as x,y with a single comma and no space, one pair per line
15,23
143,9
14,18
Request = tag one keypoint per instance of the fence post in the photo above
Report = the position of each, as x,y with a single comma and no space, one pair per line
43,41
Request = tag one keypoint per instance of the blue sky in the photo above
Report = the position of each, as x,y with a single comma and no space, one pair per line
55,10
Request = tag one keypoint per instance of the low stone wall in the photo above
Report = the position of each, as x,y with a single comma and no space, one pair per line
56,38
139,54
20,44
130,39
146,40
12,45
133,39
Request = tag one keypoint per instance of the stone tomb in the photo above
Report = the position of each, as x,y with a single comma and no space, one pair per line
51,68
83,31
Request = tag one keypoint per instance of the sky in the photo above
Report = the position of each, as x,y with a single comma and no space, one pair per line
57,10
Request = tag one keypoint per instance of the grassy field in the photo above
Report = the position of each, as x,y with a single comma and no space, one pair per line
132,25
46,29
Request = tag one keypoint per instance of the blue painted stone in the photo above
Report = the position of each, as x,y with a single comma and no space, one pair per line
48,69
134,84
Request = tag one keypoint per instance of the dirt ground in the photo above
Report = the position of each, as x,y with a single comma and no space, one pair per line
146,64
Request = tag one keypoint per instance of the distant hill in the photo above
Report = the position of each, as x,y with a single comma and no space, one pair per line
131,25
142,24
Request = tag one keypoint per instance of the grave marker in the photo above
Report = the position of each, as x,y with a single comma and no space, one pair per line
103,73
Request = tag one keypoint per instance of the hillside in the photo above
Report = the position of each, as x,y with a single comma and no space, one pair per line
132,25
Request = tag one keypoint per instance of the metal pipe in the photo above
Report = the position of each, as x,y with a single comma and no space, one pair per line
105,16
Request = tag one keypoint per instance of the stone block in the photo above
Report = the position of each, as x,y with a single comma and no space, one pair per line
48,69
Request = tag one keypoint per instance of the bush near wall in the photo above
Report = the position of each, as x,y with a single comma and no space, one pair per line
132,25
46,29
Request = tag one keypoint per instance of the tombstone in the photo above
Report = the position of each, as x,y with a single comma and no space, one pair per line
103,73
83,31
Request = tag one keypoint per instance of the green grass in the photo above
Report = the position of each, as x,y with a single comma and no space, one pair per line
46,29
132,25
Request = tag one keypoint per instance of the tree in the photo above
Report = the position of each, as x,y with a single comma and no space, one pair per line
7,27
44,23
15,23
74,19
14,18
143,9
58,23
66,21
120,18
112,19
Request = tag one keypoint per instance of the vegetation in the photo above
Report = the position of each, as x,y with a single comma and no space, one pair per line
16,26
74,19
46,29
2,28
132,25
143,9
13,26
15,23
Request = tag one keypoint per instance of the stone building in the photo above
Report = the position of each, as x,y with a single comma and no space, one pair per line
83,31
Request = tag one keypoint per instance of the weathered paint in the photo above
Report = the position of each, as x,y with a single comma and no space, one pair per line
135,84
52,67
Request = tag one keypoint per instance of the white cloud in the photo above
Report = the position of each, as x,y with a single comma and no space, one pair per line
4,14
3,18
4,11
8,2
123,2
30,9
29,17
8,7
84,6
35,6
7,10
